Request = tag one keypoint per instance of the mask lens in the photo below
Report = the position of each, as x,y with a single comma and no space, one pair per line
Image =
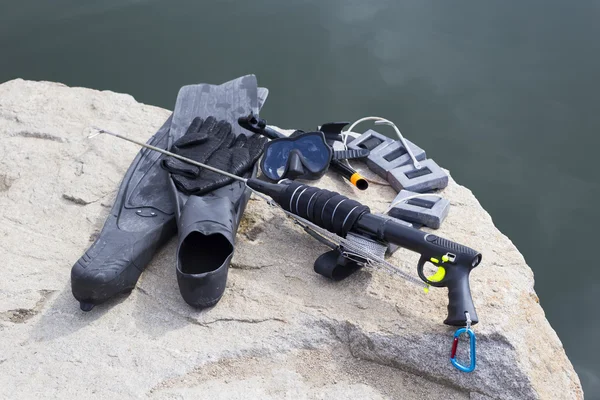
276,158
315,152
314,155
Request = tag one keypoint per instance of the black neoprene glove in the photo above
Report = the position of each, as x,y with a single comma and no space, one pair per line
213,143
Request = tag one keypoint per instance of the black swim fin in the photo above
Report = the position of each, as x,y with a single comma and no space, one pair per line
141,220
207,224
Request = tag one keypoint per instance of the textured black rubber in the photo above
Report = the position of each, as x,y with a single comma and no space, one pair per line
141,220
333,265
207,224
143,217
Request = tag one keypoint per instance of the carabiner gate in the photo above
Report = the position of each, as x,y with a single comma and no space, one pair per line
456,364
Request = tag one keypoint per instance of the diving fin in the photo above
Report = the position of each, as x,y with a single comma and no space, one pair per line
207,224
142,218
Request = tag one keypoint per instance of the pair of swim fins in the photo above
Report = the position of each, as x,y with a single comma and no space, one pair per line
149,210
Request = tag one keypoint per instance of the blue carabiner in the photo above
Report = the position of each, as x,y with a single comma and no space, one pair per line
456,364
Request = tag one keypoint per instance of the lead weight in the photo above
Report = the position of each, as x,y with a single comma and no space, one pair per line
369,140
427,178
427,210
386,157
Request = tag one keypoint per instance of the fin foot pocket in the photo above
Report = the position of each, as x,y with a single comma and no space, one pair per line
202,267
200,253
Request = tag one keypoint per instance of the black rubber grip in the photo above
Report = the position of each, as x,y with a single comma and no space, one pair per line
333,265
450,245
459,296
329,210
351,154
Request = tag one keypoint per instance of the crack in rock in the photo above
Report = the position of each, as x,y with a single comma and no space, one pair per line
78,200
244,266
403,353
240,320
221,359
40,135
22,315
207,324
19,315
346,332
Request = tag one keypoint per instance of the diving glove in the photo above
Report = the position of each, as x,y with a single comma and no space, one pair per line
213,143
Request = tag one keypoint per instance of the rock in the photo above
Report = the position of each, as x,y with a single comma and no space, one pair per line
280,331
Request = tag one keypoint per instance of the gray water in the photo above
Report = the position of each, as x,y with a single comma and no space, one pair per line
504,94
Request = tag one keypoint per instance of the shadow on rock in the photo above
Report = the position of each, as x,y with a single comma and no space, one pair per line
150,304
158,307
64,317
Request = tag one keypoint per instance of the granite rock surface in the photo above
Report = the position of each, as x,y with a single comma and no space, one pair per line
280,332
